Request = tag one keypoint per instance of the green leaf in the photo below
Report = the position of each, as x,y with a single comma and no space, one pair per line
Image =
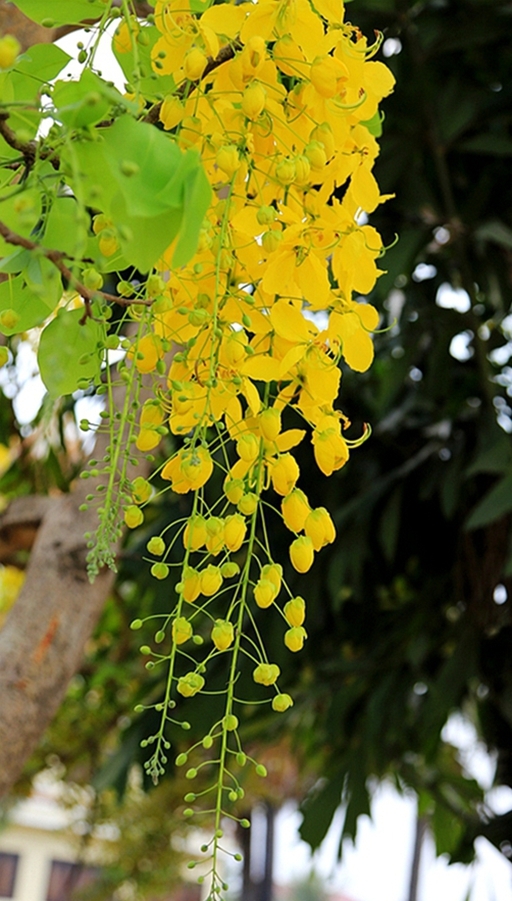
63,230
488,144
81,103
197,199
494,505
20,308
68,352
44,280
318,810
61,12
41,63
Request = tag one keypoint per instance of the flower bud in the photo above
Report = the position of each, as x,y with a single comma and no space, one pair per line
234,531
295,509
266,673
265,593
274,573
295,611
320,528
172,112
315,153
294,638
156,546
141,490
215,534
233,489
323,133
302,554
271,240
253,100
223,634
266,215
248,447
284,474
270,423
211,580
194,64
190,684
281,703
195,534
181,630
191,584
227,159
303,170
9,50
133,517
248,504
285,171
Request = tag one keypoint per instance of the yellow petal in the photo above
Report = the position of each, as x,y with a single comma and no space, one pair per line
225,19
289,322
289,439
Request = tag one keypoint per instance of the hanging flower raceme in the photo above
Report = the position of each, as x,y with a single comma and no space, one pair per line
279,100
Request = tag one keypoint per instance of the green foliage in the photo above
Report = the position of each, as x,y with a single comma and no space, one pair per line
68,352
55,12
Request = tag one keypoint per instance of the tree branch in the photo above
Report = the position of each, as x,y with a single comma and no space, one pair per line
57,258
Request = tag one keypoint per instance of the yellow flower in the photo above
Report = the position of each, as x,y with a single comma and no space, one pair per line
223,634
141,490
302,553
9,50
133,517
189,469
274,573
181,630
233,489
269,421
215,534
282,702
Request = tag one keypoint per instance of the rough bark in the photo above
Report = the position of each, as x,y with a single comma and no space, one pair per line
42,641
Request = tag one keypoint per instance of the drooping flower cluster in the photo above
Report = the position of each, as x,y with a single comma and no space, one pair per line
280,100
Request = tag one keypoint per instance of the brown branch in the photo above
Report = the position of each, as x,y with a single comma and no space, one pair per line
225,53
57,258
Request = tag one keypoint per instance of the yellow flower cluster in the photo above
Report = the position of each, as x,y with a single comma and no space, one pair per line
280,100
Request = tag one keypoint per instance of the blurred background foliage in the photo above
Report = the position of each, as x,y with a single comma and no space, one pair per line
409,612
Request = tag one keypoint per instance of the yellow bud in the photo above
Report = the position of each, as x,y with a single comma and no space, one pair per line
248,504
234,531
194,534
108,243
281,703
271,240
302,170
9,50
302,553
328,74
147,439
295,611
191,584
320,528
330,450
285,171
233,489
181,630
315,152
323,133
141,490
223,634
100,222
274,573
295,509
172,112
215,534
266,215
211,580
266,673
133,517
284,474
194,64
294,638
265,593
248,447
270,423
190,684
227,159
253,101
151,414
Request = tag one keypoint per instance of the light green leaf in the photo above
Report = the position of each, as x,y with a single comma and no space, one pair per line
42,63
197,200
20,308
68,352
81,103
61,12
44,280
63,229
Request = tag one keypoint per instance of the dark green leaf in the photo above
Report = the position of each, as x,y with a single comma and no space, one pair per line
494,505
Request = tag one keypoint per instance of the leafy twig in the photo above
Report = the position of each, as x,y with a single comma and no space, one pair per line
57,258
